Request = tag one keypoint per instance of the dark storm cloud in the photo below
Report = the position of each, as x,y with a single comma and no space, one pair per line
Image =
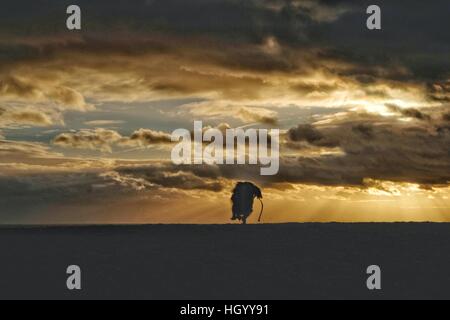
50,186
412,46
249,20
99,186
382,149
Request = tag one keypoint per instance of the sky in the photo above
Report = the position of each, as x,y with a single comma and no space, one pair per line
86,115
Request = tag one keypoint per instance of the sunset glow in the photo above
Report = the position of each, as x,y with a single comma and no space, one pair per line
86,117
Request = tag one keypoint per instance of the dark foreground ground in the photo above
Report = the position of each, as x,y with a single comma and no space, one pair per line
285,261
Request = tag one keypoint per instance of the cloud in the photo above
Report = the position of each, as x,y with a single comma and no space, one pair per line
318,11
375,147
68,97
17,150
154,180
408,112
167,175
38,91
439,91
350,147
24,116
228,109
97,139
269,56
14,87
309,134
147,137
260,115
28,101
104,139
127,181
